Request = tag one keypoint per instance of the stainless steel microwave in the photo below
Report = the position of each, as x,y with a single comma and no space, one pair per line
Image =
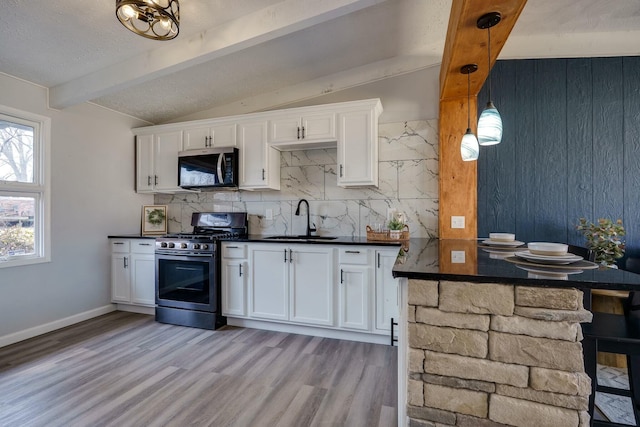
208,168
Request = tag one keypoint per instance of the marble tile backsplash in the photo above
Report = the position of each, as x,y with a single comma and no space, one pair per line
408,181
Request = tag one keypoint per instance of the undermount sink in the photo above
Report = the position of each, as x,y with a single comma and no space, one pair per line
299,237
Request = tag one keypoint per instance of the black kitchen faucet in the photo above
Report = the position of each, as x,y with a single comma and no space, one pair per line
309,229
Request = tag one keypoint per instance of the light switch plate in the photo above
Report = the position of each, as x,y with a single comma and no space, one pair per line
457,257
268,214
457,222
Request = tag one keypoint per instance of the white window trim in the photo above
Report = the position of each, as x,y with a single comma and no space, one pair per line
42,178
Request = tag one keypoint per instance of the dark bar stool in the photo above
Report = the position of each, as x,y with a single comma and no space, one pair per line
620,334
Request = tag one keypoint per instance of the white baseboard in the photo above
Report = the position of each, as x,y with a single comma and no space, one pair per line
309,330
56,324
136,309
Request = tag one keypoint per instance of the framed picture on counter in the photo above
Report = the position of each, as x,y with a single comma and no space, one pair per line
154,219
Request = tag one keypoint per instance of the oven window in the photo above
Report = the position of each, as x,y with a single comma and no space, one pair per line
184,280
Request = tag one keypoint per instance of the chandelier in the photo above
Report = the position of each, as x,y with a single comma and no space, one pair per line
153,19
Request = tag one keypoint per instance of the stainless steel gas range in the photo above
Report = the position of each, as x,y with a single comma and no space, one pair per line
188,270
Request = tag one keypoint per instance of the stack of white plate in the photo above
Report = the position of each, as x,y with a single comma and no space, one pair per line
548,253
502,240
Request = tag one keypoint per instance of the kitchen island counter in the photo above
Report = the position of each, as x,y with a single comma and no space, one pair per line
483,342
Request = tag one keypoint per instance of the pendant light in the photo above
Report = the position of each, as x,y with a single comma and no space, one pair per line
490,122
469,149
153,19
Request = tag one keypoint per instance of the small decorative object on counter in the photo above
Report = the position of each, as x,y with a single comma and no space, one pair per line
397,228
604,238
154,219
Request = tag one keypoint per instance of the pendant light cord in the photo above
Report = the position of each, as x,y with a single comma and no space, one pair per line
469,100
489,63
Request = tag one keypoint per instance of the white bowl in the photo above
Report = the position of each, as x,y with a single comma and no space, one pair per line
502,237
549,249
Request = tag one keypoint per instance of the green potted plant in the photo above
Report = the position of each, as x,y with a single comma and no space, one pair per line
395,225
604,238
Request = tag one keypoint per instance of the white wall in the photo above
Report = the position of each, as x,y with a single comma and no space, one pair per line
92,185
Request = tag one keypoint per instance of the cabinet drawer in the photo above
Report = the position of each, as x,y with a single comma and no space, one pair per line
118,246
354,256
143,246
234,251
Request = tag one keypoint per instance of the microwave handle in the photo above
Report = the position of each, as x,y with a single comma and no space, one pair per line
221,160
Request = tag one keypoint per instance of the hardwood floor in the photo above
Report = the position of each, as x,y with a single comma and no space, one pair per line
125,369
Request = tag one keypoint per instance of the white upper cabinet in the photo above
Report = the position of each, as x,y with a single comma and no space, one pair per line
358,146
220,135
259,163
293,131
157,162
352,127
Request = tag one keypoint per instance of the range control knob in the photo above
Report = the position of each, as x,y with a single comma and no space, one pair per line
183,245
196,246
205,247
171,245
163,244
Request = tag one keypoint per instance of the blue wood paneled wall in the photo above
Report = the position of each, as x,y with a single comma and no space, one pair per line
570,149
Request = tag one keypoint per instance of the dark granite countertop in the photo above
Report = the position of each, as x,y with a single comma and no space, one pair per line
339,240
130,236
422,261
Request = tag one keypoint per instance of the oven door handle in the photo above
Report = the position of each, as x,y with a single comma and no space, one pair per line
209,255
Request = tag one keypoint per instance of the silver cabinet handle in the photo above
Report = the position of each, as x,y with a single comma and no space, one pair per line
285,255
302,132
126,262
298,132
156,179
240,268
290,256
378,260
148,179
341,276
340,171
118,243
351,252
232,247
145,244
263,174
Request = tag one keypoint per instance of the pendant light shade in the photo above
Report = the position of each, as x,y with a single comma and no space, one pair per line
490,122
153,19
490,126
469,148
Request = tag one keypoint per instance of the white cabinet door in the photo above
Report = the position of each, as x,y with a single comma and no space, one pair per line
143,273
260,164
309,128
144,164
354,292
311,284
167,146
224,135
269,282
234,273
120,277
386,289
197,138
319,127
357,149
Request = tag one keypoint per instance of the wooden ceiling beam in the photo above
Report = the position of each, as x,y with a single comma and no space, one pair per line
466,43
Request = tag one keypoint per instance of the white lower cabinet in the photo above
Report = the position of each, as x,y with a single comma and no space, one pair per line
133,271
386,290
234,279
348,288
292,283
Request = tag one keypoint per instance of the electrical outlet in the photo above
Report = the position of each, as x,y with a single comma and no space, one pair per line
457,257
268,214
457,222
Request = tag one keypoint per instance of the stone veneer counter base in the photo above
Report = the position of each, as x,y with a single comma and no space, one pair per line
483,343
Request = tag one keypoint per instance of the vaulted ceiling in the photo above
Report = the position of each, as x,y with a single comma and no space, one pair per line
250,55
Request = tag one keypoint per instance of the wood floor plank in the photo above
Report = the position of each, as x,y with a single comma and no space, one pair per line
125,369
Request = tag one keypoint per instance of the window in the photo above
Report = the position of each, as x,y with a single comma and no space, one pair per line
24,188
